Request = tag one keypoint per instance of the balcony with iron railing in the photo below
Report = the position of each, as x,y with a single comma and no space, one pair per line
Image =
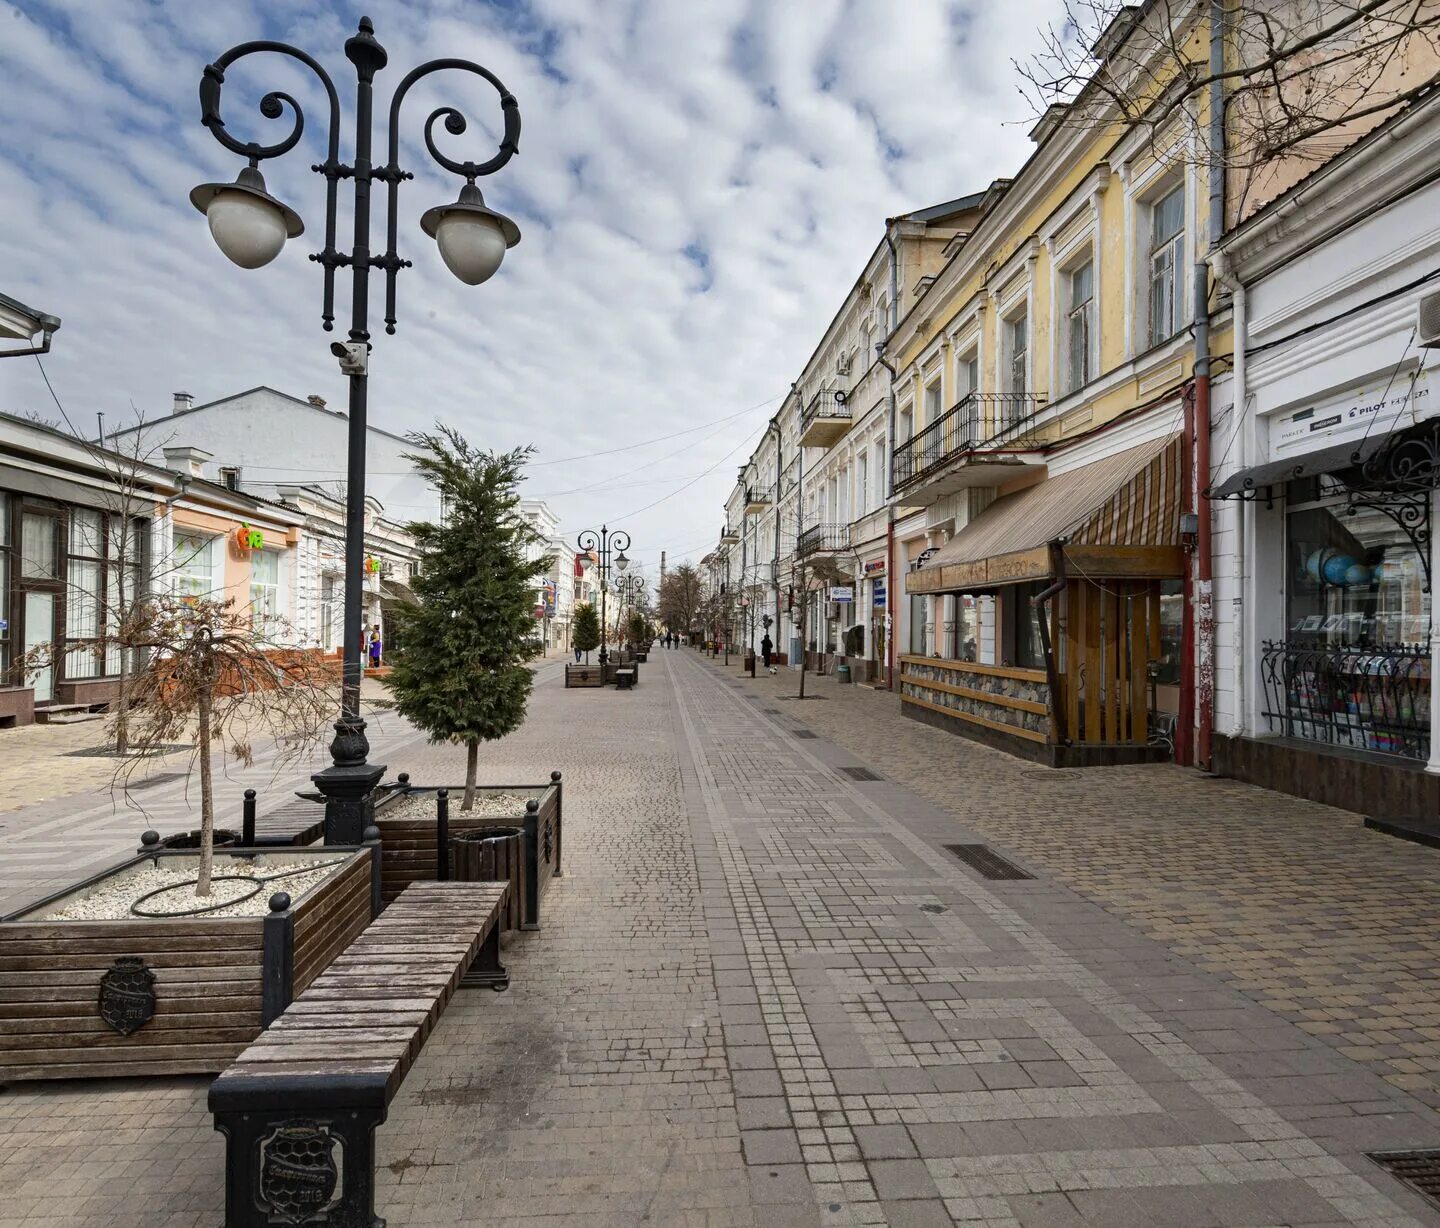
982,440
822,539
758,499
825,419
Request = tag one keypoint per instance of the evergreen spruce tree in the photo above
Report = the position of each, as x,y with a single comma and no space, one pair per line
461,673
586,631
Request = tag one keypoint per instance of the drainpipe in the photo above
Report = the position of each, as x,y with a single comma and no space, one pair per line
1239,632
889,504
1052,673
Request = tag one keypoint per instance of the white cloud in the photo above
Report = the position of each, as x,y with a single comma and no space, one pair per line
770,139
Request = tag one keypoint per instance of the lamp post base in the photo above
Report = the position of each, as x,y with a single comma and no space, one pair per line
349,784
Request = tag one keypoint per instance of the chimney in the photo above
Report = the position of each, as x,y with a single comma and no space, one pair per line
183,401
316,400
181,458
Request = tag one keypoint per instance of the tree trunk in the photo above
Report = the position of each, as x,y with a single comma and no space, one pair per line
472,763
122,709
207,800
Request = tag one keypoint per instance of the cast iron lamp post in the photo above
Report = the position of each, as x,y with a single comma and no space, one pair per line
629,587
250,226
599,545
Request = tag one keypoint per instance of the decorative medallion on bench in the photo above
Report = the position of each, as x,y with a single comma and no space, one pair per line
298,1173
127,995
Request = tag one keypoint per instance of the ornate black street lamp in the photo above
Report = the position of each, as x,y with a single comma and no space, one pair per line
629,587
251,226
599,544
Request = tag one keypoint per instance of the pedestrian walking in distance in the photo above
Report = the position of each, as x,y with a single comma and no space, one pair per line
766,648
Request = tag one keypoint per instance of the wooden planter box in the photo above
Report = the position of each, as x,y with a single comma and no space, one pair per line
217,982
413,854
584,675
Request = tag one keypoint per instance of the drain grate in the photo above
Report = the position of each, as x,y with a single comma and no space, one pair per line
858,773
986,861
1049,774
803,733
1420,1170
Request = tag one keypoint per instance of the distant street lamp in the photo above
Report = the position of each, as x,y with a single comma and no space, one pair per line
251,226
597,545
630,587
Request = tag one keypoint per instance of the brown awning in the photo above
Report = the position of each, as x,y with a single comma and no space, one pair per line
1119,516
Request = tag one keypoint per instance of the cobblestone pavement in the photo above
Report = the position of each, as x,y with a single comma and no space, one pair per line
1330,925
764,994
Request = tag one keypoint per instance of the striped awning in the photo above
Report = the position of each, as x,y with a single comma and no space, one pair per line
1119,516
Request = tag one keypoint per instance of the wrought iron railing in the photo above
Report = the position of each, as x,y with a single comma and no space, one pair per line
1365,697
827,403
758,494
978,422
822,538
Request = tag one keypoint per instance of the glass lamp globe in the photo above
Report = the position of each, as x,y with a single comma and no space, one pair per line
248,224
472,238
621,562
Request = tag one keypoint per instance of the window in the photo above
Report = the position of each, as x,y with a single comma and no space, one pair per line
229,478
83,599
264,586
1022,646
327,612
862,485
39,547
1167,253
967,375
194,567
932,401
1080,325
1017,348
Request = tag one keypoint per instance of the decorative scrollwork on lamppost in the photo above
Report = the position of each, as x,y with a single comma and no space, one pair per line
251,226
597,544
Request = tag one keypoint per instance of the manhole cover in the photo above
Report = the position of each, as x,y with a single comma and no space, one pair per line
858,773
933,909
1051,774
803,733
1420,1170
986,861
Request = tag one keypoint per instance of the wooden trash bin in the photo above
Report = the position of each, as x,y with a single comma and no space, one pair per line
493,855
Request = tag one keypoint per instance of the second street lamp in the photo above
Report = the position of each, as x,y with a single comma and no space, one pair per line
629,588
251,226
598,545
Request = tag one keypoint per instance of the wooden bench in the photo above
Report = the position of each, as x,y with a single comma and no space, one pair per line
624,678
584,675
323,1075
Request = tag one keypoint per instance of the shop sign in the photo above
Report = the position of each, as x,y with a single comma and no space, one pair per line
247,538
372,566
1373,409
842,592
875,565
877,593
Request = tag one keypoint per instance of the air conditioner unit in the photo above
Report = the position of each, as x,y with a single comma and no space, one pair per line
1427,325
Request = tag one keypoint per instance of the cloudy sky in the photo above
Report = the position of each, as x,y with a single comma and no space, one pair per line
699,183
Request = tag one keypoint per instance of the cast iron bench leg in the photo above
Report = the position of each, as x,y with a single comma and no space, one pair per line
283,1167
487,968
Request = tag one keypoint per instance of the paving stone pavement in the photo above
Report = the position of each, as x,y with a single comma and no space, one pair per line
1330,925
765,995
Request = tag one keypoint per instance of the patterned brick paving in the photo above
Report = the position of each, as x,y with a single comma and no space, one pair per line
764,995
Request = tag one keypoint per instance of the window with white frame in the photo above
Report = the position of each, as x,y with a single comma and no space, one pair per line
264,586
862,484
1079,325
1166,288
83,596
967,374
1017,352
194,567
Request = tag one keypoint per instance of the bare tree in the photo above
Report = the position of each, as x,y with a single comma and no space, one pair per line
1302,79
680,598
808,573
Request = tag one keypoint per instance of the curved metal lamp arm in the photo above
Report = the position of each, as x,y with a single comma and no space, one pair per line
588,540
455,124
272,106
620,540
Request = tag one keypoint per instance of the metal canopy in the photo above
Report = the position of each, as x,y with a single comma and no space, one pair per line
1249,483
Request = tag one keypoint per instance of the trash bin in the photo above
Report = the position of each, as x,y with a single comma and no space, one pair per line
842,672
493,855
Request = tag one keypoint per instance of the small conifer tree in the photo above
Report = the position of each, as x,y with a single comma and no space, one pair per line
461,674
587,629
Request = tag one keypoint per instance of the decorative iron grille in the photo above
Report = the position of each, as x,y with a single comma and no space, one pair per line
1364,697
822,539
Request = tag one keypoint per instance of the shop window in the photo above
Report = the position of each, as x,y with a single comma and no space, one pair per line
1166,670
83,597
39,547
1021,644
1354,670
964,638
5,568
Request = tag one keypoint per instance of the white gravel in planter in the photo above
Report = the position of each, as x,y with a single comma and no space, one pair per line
487,805
111,898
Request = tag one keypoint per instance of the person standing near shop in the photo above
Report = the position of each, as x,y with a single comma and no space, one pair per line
767,646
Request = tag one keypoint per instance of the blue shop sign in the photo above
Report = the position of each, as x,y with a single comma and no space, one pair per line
877,593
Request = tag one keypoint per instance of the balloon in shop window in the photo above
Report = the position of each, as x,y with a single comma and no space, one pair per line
1358,576
1315,564
1337,566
